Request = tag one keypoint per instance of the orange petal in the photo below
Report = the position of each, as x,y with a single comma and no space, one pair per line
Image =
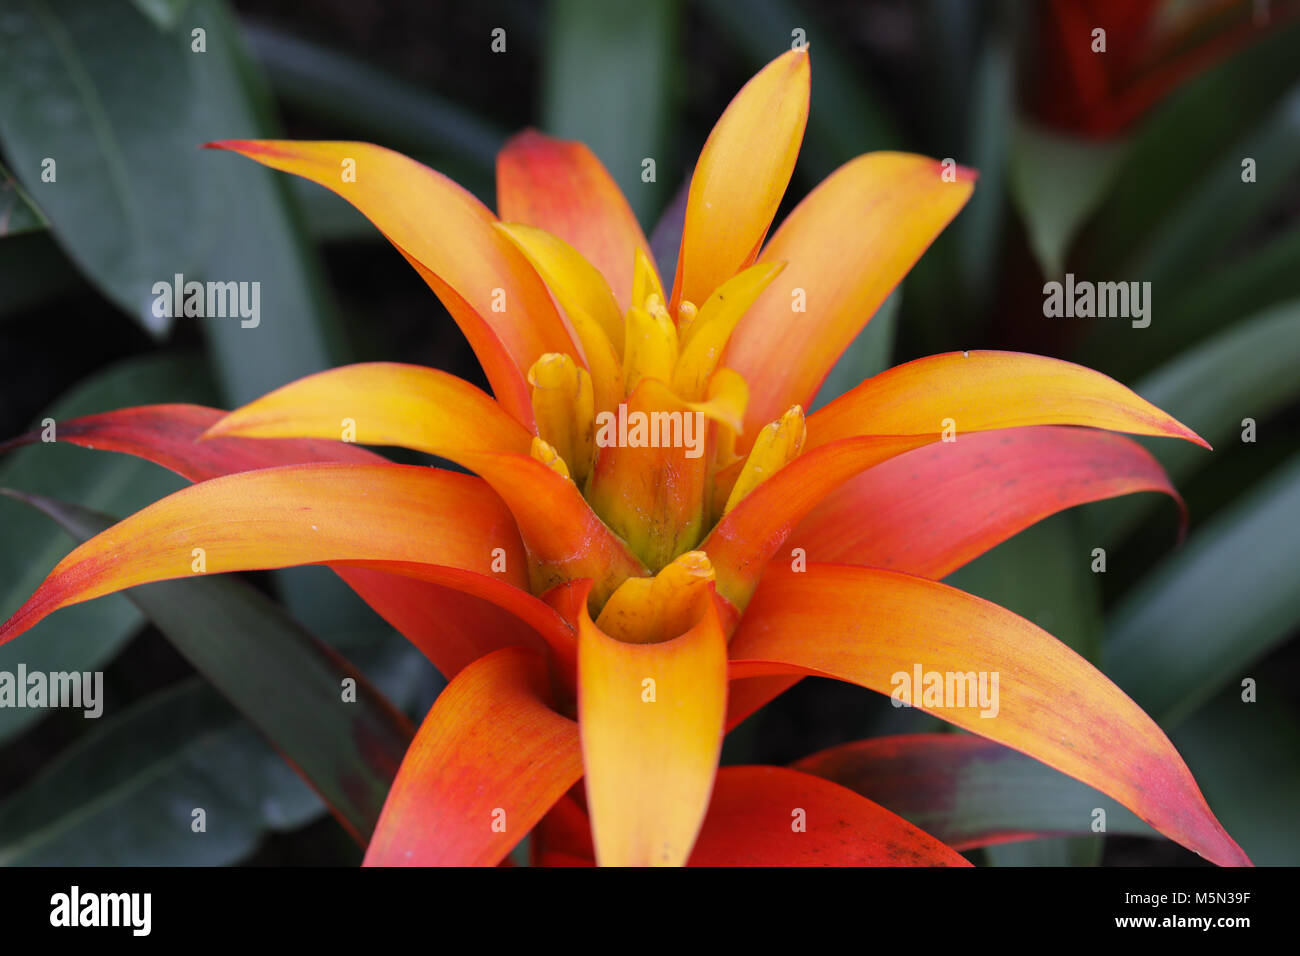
751,821
929,511
546,621
741,176
509,382
486,284
773,816
439,414
906,407
381,403
651,722
452,623
561,186
298,514
847,245
878,628
454,626
748,536
487,763
587,301
566,540
979,391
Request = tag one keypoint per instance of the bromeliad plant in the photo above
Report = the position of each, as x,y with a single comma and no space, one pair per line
607,596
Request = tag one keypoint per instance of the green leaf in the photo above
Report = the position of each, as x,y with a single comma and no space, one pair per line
259,238
86,636
1203,258
1222,207
1198,128
1253,784
1214,607
979,229
1056,182
164,13
330,218
337,729
18,214
1246,372
122,108
1237,286
948,36
1241,285
950,290
992,789
606,80
69,96
254,232
124,794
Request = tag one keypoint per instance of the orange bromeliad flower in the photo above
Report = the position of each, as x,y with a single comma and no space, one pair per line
655,540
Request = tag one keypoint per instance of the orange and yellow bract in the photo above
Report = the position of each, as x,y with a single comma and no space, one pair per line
606,611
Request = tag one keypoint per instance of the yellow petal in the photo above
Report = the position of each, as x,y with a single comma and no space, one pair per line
487,286
778,444
650,717
847,245
650,348
565,538
548,456
381,403
564,409
728,396
741,176
978,391
705,338
575,281
645,279
651,610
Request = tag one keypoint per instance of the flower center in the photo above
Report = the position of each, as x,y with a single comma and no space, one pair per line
650,437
